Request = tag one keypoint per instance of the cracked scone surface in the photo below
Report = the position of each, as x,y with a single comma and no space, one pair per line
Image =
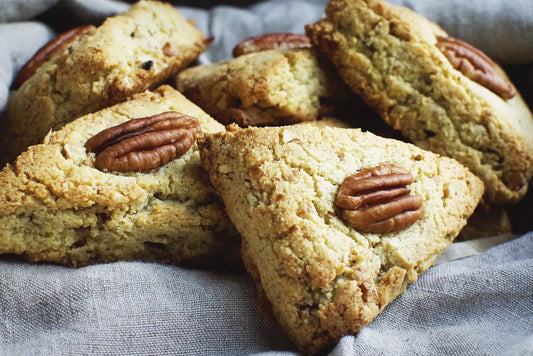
388,55
127,54
270,87
320,278
58,208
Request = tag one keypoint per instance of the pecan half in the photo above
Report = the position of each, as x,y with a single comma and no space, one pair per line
145,143
48,51
476,65
271,41
376,200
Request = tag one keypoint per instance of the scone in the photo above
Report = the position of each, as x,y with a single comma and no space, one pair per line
127,54
486,221
272,87
57,206
441,93
335,222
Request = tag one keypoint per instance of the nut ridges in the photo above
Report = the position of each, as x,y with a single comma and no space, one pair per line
475,65
376,200
145,143
271,41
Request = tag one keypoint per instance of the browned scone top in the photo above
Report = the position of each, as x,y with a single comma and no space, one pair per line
443,94
271,87
58,207
287,190
127,54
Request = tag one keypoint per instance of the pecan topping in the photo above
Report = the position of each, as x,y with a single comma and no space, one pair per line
476,65
145,143
48,51
271,41
376,200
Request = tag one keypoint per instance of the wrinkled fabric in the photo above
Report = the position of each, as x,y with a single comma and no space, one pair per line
477,299
21,10
477,305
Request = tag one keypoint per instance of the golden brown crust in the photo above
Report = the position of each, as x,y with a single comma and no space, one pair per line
389,55
321,278
127,54
274,87
58,208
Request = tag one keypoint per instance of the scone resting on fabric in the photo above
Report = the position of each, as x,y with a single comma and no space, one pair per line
57,207
441,93
270,87
485,221
321,278
127,54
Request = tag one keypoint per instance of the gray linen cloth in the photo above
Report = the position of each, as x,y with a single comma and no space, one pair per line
478,299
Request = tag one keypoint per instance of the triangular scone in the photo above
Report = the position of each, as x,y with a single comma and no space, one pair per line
321,278
442,94
57,207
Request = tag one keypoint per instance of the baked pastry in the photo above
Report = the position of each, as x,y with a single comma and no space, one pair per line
441,93
127,54
58,207
335,222
486,221
271,87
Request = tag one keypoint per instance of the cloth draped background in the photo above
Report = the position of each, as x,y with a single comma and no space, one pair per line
478,298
